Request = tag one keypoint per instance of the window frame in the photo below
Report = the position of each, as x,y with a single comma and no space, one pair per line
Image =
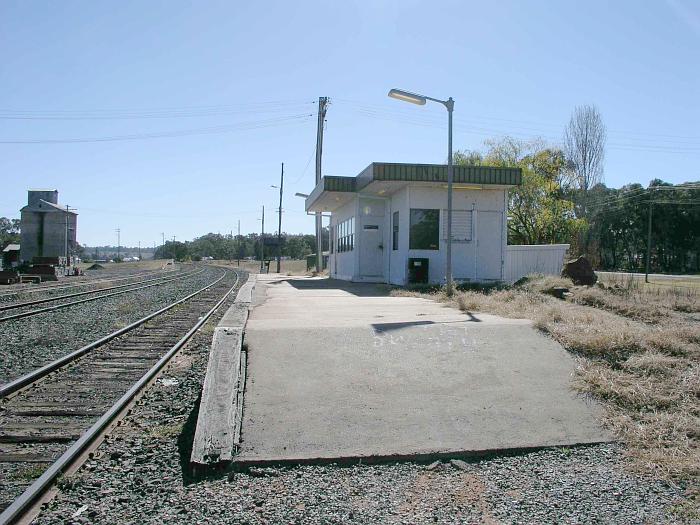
434,234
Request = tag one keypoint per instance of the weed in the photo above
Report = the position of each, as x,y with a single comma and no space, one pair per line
29,473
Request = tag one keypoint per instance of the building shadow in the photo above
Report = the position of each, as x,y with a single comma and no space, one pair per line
356,289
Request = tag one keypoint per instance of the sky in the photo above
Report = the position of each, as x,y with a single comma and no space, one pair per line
173,117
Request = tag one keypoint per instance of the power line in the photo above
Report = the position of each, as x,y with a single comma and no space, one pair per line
468,126
308,163
163,112
537,125
169,134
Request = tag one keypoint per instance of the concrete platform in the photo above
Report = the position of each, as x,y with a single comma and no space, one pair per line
339,371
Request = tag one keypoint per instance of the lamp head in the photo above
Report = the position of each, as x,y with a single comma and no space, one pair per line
407,96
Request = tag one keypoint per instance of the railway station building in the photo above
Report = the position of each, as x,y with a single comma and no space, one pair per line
389,223
47,228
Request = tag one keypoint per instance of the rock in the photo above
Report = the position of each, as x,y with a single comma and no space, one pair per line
459,464
579,271
434,465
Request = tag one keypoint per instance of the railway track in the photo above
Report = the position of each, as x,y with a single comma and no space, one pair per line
52,416
21,289
130,287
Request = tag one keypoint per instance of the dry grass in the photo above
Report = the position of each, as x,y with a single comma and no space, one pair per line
630,294
637,355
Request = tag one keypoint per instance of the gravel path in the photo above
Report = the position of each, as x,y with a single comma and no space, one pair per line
138,477
31,342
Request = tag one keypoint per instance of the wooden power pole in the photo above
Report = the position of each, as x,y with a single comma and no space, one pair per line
322,106
279,224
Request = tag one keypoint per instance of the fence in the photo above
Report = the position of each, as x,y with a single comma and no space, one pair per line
522,260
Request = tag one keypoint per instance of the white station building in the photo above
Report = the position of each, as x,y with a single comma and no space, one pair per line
389,224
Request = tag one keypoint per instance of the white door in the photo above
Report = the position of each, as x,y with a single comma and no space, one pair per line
371,250
488,245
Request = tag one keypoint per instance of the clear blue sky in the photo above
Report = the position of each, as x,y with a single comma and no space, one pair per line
248,72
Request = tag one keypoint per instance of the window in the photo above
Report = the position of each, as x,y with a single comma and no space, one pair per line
461,225
346,235
395,231
424,232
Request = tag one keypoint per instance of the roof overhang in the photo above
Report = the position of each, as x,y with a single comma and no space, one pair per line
383,179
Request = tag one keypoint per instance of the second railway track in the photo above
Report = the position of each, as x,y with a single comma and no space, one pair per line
70,402
130,287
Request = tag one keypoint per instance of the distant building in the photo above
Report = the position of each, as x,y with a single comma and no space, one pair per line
45,225
10,256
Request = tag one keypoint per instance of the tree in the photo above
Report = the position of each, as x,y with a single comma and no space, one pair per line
584,147
9,231
538,212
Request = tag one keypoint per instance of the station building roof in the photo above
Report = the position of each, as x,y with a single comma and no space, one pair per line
383,178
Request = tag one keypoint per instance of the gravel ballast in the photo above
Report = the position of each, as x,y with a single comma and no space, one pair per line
31,342
140,475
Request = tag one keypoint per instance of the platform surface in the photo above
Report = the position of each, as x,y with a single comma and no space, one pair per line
340,370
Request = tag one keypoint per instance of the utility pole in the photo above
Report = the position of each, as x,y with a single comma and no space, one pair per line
262,240
322,106
651,202
279,223
162,234
66,247
238,244
139,250
119,243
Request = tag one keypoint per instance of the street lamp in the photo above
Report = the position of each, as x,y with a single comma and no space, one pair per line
420,100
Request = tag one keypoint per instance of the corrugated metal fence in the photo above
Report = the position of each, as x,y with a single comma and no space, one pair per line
534,258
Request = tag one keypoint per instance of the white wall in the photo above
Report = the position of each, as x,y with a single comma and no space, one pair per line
468,263
547,259
464,254
398,269
343,265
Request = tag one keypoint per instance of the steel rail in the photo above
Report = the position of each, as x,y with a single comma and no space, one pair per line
5,307
89,299
36,489
63,285
21,382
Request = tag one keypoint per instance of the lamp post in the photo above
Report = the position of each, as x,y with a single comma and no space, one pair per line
449,104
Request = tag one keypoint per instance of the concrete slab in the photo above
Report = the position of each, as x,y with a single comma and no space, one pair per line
340,370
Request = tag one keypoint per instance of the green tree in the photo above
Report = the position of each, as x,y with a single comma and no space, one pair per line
9,231
538,212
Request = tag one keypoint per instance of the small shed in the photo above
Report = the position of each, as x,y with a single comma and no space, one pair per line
389,223
10,256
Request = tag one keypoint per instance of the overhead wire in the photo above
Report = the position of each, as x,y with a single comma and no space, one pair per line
226,128
469,126
530,125
146,113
